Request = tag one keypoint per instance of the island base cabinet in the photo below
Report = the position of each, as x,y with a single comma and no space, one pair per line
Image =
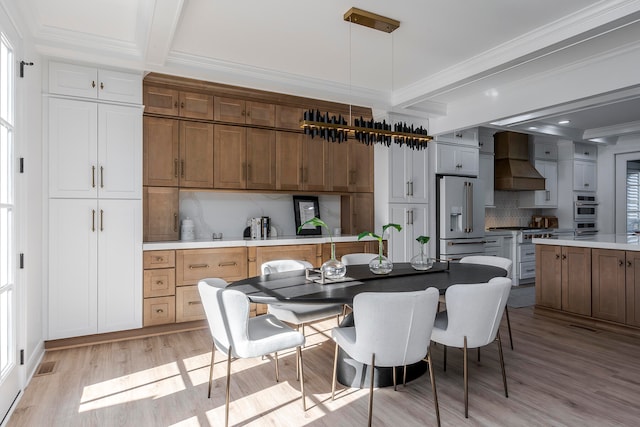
608,287
633,288
549,276
576,280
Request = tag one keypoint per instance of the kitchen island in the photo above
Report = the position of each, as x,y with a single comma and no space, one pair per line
594,281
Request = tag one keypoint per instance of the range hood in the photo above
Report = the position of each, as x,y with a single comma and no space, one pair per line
513,171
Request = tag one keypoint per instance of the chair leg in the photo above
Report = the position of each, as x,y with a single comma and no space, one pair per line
445,358
395,388
335,367
466,380
213,355
433,386
478,354
277,370
297,362
404,375
338,318
301,373
373,364
227,393
506,312
504,375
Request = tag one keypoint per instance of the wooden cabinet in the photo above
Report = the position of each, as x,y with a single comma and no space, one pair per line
351,166
414,220
632,288
160,211
94,83
547,198
608,285
159,306
240,111
178,153
192,265
409,175
95,150
257,255
288,117
244,158
344,248
456,159
549,276
161,100
301,163
356,213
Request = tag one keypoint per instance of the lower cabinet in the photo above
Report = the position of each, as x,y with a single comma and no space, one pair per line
159,287
632,280
344,248
608,285
414,220
95,260
260,254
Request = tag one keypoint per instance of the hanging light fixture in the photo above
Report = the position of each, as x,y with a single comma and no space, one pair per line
337,129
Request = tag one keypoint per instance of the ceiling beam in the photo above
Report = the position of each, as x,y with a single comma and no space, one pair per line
166,14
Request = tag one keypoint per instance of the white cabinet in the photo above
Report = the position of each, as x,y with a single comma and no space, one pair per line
456,159
463,137
95,150
90,82
584,175
95,264
547,198
414,220
545,150
487,177
409,171
582,151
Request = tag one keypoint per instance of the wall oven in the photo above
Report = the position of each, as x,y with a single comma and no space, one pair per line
584,207
584,229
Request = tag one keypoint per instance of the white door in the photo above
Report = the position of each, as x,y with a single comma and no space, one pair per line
415,222
73,237
10,373
119,265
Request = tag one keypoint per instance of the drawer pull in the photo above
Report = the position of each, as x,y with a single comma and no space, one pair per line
159,310
159,282
227,264
159,259
194,266
195,302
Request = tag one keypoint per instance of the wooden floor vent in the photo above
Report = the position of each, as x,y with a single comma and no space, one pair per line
586,328
46,368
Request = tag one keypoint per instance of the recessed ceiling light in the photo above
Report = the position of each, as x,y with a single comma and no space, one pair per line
532,128
564,122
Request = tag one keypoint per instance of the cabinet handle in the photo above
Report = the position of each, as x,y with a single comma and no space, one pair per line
620,263
411,216
244,113
586,153
548,195
547,152
530,270
227,264
195,302
101,85
93,220
629,264
458,135
408,190
175,168
195,266
182,168
564,257
159,310
159,258
93,177
93,83
175,222
557,256
101,177
182,105
411,194
159,282
101,220
175,104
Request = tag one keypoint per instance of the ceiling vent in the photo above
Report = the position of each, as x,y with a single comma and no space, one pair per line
513,171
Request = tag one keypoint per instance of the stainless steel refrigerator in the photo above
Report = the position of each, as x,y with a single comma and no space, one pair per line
460,220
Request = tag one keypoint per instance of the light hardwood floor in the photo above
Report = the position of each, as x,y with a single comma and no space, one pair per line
558,375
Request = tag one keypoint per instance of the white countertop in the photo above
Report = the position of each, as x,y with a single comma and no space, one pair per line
239,241
599,241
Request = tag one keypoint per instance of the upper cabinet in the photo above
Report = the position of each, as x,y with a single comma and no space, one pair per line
161,100
547,198
579,158
239,111
452,159
463,137
409,171
94,83
351,167
301,163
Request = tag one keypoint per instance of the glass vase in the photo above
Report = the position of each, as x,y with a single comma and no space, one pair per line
421,261
334,269
380,264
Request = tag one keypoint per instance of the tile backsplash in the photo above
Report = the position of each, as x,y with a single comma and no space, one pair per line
506,213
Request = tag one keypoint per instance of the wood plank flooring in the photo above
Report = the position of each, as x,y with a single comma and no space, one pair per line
558,375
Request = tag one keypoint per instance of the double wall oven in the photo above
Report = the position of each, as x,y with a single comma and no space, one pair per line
585,214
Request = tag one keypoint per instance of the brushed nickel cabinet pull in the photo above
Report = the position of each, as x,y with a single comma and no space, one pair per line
182,168
101,85
408,191
194,266
159,282
93,177
175,168
227,264
175,222
195,302
93,220
93,83
101,220
159,310
101,177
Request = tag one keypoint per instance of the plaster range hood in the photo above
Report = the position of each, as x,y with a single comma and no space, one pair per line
513,171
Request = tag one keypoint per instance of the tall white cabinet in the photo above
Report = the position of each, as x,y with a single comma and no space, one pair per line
95,203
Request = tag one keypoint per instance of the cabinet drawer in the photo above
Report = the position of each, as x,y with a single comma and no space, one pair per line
527,253
188,304
159,259
527,270
159,282
192,265
160,310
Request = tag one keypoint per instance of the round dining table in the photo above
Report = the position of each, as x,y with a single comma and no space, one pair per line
304,287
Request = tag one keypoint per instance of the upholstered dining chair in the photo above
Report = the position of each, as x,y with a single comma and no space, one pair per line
298,314
472,320
357,258
495,261
391,329
240,336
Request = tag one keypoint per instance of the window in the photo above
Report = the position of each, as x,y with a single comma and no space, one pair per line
633,197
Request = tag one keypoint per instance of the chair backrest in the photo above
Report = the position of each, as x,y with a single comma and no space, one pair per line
396,326
357,258
227,312
215,282
475,311
282,265
495,261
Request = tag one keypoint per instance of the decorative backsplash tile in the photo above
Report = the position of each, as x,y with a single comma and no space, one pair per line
506,213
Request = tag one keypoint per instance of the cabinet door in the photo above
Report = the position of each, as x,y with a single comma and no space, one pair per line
119,174
261,159
160,100
584,176
188,304
288,161
288,117
229,157
196,155
73,269
409,171
632,287
196,105
160,212
549,276
229,110
360,167
119,87
549,196
261,114
608,285
315,158
414,221
73,145
468,159
339,166
119,265
192,265
73,80
307,253
161,156
344,248
486,176
576,280
460,160
356,213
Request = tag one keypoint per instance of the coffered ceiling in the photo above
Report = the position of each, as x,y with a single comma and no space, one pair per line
445,51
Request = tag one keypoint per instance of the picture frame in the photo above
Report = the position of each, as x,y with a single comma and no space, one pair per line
305,208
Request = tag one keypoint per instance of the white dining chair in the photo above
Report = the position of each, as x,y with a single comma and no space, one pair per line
391,329
472,320
357,258
495,261
298,314
240,336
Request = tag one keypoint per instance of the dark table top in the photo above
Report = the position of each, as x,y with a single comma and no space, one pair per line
293,287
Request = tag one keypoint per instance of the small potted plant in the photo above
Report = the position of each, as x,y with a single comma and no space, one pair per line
380,264
422,261
333,269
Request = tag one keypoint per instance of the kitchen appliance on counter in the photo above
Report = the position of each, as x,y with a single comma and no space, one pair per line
460,217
